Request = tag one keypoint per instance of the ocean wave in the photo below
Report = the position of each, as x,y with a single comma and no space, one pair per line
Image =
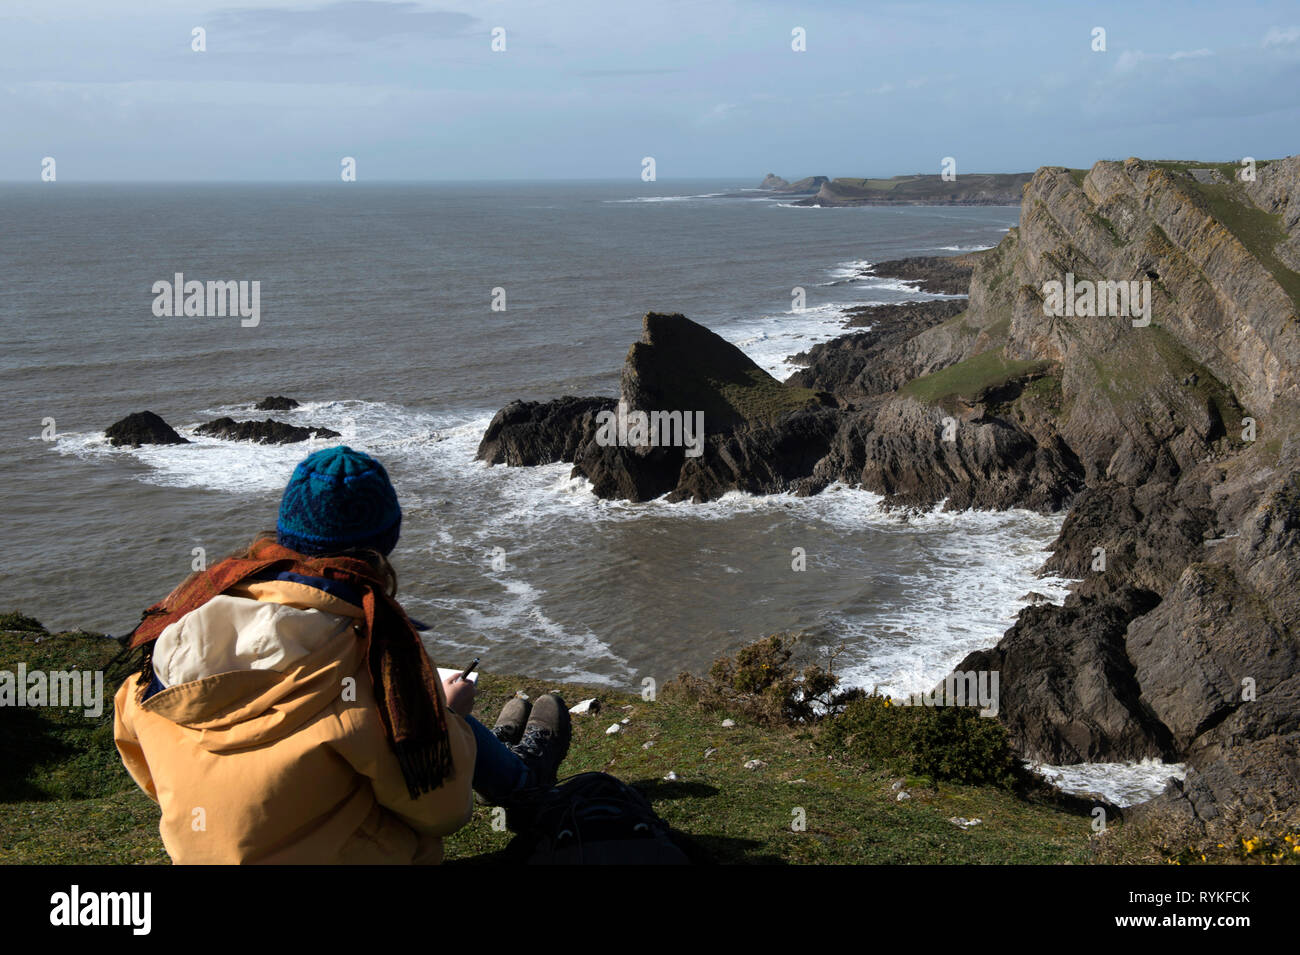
854,267
706,195
1124,784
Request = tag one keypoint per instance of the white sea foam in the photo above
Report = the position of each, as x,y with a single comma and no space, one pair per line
960,598
706,195
246,467
1124,784
850,269
771,339
961,248
516,614
980,566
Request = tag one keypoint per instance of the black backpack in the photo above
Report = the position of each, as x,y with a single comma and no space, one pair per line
591,819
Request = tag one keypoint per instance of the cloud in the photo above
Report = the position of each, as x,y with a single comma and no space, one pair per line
1130,60
648,72
358,21
1279,37
719,113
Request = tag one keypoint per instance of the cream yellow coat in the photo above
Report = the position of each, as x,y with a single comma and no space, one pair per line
267,747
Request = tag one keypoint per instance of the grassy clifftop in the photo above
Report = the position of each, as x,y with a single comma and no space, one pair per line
66,798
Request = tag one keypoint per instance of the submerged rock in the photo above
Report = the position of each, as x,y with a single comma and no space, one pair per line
142,427
276,403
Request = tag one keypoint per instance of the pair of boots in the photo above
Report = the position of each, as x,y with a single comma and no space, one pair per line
538,733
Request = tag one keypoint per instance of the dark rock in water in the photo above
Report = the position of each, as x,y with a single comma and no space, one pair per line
276,403
764,459
933,273
910,317
541,432
718,423
262,432
679,365
1148,535
630,474
143,427
753,429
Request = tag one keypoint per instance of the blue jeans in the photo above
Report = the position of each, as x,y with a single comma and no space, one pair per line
499,775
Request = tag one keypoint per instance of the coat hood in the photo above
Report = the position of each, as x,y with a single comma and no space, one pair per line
247,672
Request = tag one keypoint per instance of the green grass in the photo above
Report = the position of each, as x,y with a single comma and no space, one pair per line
1127,375
923,187
762,398
866,185
67,799
744,816
1257,230
966,379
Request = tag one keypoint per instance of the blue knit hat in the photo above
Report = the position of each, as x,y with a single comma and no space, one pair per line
336,500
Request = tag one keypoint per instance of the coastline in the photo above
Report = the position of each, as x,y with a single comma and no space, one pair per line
1147,434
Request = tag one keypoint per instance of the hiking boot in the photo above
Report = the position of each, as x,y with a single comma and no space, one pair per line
510,724
545,742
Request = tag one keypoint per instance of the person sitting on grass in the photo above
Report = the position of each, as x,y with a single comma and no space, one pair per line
286,711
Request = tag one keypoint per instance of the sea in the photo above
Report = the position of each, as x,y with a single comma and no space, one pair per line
404,316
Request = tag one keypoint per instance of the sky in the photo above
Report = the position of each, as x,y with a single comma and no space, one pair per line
113,89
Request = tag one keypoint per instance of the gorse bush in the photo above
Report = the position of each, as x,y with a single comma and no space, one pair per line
763,684
948,742
20,622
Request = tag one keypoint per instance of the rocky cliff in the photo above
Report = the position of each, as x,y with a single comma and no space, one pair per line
990,189
804,187
1131,350
1181,639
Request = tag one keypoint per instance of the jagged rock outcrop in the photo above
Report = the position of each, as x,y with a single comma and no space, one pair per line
727,424
917,455
679,365
1068,693
261,432
761,436
142,427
